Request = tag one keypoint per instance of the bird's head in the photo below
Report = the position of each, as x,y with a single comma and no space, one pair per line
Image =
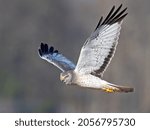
66,77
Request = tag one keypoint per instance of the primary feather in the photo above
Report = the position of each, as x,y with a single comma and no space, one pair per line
99,48
55,58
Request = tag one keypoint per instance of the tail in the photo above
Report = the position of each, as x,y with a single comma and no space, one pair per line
110,88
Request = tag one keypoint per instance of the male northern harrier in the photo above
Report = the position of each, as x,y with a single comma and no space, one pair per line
95,55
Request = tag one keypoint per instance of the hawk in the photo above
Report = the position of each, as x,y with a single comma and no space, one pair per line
95,55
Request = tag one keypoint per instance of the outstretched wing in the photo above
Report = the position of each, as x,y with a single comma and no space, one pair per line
99,48
55,58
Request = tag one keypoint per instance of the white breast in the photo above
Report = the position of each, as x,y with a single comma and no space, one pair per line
89,81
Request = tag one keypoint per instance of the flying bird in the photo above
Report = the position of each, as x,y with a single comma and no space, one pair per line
95,55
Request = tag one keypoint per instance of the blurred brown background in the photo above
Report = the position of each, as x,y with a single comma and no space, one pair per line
29,84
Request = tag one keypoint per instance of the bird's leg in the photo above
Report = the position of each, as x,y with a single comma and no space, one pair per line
110,89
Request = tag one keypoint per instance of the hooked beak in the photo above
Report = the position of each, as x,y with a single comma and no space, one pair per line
62,78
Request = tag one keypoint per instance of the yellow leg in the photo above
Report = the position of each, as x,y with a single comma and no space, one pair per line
110,89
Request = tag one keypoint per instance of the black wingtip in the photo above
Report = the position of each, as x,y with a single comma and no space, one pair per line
42,46
44,49
99,23
40,52
51,49
120,7
109,15
115,15
118,15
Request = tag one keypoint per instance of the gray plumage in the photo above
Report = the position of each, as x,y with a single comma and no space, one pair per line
95,55
55,58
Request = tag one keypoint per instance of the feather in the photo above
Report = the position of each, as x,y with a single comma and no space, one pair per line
100,47
55,58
